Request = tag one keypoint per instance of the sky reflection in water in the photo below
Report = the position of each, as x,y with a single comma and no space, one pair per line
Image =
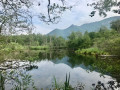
43,76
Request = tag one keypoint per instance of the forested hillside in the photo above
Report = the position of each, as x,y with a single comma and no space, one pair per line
89,27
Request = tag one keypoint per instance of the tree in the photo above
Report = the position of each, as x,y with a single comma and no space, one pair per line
116,25
86,40
103,6
92,35
15,15
75,40
72,40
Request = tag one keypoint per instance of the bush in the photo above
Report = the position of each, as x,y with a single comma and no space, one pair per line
15,46
11,47
90,51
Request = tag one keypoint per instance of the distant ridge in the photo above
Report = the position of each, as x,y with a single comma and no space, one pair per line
90,27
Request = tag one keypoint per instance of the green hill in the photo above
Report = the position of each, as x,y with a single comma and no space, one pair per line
90,27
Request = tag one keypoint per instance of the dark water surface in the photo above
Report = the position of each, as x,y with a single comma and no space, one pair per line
44,66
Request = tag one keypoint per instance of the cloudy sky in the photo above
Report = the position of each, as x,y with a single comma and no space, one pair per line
78,15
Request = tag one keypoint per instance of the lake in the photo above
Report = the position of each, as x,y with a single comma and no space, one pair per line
45,67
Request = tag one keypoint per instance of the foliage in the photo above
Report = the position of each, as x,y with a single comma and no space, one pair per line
15,15
38,40
90,51
104,41
104,6
19,80
116,25
32,42
112,46
11,47
77,40
12,16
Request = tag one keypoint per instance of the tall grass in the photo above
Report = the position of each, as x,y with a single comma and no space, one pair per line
67,82
65,86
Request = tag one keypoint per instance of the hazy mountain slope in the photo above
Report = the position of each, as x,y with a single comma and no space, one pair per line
95,26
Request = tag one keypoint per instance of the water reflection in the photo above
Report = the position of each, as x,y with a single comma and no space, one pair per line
44,65
48,69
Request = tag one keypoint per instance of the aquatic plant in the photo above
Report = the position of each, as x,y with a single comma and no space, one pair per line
65,86
67,82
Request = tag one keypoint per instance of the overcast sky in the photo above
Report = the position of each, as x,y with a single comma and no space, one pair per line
78,15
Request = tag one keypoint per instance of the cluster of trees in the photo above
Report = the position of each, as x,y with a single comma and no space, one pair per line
104,39
86,40
35,40
77,40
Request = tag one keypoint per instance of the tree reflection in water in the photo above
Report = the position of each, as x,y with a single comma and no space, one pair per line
14,73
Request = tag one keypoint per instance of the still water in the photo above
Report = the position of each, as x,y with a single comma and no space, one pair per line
44,66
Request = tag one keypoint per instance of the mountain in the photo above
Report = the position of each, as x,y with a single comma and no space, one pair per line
90,27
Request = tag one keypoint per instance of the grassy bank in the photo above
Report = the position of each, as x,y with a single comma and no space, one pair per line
90,51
